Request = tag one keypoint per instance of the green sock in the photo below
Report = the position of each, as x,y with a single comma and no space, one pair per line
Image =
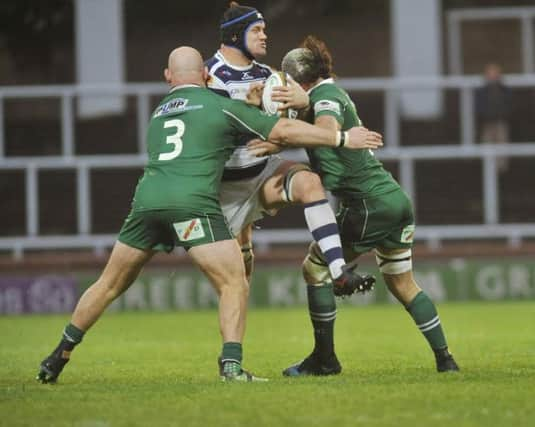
72,336
232,352
425,315
322,310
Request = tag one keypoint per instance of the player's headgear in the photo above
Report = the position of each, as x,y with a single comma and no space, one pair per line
235,23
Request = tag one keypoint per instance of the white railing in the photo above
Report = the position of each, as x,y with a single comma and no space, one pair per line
455,18
83,164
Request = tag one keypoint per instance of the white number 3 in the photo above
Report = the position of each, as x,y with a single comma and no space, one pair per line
173,139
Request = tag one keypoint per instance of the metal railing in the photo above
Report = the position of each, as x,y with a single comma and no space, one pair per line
525,15
406,156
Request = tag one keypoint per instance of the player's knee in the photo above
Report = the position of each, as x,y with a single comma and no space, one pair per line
234,285
229,276
306,187
310,181
315,269
397,272
295,182
394,263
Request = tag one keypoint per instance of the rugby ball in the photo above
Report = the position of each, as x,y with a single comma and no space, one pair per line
268,105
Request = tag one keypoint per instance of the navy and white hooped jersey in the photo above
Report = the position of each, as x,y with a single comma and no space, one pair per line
234,81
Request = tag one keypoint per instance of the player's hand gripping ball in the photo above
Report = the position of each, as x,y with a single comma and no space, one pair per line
272,107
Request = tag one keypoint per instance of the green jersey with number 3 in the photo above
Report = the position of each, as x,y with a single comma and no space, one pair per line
344,172
191,134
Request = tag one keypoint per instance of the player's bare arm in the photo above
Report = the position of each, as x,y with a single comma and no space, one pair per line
327,122
260,148
301,134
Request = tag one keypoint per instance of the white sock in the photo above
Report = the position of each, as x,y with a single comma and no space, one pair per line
321,222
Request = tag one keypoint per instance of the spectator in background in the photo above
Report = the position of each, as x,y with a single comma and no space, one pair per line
493,106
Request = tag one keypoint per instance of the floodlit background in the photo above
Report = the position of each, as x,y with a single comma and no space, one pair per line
79,78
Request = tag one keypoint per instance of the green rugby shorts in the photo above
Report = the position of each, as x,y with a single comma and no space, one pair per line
384,221
163,229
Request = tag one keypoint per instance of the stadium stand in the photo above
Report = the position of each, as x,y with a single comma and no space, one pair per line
54,166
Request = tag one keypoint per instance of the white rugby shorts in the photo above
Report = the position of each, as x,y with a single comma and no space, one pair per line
240,199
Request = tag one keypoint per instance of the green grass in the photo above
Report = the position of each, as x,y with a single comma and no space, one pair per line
159,369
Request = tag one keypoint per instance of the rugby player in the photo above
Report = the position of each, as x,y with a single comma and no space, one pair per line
253,187
375,214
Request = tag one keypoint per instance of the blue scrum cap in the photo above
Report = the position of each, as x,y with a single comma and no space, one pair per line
235,23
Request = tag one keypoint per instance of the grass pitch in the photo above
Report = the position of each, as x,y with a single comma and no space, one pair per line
159,369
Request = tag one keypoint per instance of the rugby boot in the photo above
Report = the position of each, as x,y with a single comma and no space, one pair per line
350,282
312,365
445,361
51,367
233,372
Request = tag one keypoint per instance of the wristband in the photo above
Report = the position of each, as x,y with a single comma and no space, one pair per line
341,138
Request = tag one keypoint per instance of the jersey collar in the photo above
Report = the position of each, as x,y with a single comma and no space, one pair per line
222,58
181,87
330,80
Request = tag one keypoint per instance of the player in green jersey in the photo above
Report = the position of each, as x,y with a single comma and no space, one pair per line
375,214
190,136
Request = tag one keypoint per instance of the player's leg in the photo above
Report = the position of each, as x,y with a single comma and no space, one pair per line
391,227
245,240
221,262
123,267
295,183
321,300
241,207
322,312
396,267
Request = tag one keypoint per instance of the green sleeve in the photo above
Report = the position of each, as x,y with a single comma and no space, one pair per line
248,119
327,100
328,106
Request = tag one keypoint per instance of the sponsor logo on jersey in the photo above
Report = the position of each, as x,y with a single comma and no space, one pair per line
326,105
174,106
189,230
238,91
246,76
407,234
